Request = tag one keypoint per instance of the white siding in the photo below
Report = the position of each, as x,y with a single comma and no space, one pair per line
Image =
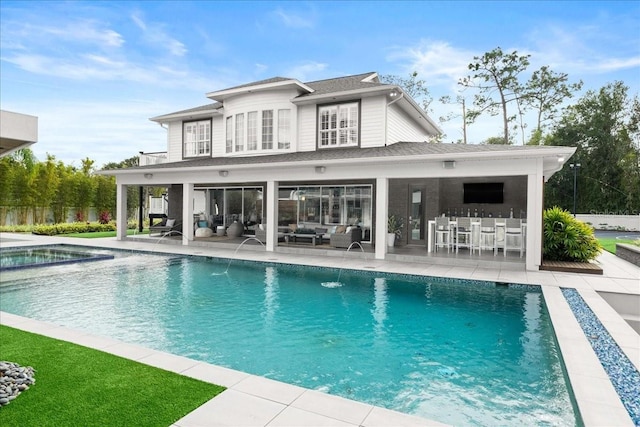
174,141
402,128
372,122
217,136
307,128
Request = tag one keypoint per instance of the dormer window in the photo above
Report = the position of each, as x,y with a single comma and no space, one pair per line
197,138
338,125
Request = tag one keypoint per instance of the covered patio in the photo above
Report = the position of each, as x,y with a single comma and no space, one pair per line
417,182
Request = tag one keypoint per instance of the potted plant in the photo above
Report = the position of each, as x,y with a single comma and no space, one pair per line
394,229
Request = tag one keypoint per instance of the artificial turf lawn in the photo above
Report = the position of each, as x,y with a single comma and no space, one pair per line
79,386
609,243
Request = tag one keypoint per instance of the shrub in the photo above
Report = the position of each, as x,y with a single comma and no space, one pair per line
73,227
566,238
104,218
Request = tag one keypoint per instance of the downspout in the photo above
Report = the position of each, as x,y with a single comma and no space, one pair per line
386,116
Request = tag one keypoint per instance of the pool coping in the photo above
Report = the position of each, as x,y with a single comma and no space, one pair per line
596,399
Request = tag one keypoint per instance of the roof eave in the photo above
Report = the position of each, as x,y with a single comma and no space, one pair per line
227,93
187,115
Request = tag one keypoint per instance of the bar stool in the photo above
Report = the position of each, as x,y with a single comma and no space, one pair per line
443,233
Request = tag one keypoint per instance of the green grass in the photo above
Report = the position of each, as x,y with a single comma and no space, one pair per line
99,234
79,386
609,243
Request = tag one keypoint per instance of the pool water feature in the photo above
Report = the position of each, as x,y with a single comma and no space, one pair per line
15,259
459,352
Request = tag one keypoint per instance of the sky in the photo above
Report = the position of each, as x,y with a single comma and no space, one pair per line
95,72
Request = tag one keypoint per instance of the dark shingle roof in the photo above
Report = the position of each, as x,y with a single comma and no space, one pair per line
214,106
400,149
342,84
258,83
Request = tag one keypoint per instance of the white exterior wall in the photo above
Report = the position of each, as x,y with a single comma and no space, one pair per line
611,222
217,136
372,112
400,127
174,141
307,126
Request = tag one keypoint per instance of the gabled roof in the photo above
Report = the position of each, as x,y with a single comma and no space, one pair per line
262,85
344,84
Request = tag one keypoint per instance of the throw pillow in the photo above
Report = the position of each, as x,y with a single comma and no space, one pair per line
171,222
340,229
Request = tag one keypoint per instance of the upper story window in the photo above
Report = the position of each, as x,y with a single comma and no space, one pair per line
338,125
239,132
229,140
197,138
265,130
284,129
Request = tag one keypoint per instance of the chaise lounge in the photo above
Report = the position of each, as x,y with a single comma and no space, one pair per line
166,227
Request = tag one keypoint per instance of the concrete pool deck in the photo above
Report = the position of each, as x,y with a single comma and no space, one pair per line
256,401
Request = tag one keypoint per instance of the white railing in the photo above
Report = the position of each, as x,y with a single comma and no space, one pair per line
146,159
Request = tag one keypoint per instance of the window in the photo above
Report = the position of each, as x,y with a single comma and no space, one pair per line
267,129
229,142
284,129
260,130
338,125
252,131
197,138
239,132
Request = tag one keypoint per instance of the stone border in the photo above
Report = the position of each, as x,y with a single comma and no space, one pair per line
629,253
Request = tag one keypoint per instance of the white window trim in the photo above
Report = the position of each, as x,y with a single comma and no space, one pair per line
337,132
196,138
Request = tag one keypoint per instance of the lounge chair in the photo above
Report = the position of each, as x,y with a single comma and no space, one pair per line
166,227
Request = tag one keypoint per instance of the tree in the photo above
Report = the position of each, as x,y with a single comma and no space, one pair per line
545,91
22,196
85,189
65,195
6,188
412,86
465,121
496,140
496,74
45,188
604,125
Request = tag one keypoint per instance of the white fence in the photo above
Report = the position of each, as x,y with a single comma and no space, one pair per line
612,222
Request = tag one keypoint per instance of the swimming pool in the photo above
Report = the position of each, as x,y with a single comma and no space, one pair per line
460,352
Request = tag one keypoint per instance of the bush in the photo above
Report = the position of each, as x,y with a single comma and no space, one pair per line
566,238
73,227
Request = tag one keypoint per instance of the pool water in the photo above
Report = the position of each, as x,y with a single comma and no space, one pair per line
458,352
44,257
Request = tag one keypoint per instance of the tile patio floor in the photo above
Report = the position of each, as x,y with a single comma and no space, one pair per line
256,401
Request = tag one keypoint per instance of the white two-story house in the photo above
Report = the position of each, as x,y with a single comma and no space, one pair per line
345,151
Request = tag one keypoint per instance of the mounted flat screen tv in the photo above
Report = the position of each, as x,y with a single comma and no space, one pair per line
483,192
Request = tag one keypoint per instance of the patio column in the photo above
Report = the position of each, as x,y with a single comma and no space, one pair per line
187,212
382,212
121,211
535,206
272,215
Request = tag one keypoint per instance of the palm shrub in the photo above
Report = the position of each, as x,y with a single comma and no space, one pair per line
566,238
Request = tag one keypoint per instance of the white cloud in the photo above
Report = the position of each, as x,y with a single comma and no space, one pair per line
155,35
303,71
293,20
437,62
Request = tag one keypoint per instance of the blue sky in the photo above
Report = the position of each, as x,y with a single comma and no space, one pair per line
95,72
